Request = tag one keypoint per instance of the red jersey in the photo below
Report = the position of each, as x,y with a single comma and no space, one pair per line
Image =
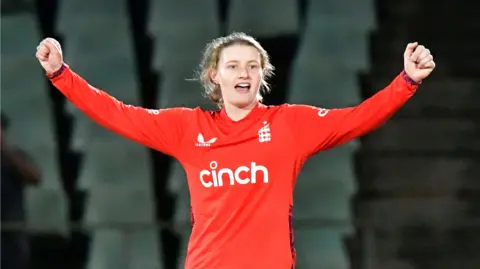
241,174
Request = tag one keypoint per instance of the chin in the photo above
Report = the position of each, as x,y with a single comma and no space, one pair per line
243,102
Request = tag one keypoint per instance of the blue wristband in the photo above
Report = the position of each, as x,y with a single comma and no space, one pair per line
409,80
58,72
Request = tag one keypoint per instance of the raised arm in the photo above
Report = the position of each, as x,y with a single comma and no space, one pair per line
160,129
320,129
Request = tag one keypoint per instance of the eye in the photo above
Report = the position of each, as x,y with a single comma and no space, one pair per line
232,66
254,66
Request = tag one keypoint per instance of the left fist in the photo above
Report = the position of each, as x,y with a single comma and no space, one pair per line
418,62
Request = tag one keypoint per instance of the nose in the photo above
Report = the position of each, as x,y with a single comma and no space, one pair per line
243,73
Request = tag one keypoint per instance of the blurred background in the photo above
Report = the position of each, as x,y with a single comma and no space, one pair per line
404,197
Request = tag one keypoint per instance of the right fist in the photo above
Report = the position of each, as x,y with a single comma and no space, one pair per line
49,54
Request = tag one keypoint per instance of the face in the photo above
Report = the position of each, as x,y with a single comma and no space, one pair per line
239,74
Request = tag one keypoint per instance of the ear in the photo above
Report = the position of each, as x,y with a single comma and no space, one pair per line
214,76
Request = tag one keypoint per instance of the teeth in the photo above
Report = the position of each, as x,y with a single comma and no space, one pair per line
243,85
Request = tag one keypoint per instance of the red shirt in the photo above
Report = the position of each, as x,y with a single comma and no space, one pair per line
241,175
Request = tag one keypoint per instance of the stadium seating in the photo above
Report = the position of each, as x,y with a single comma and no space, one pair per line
166,16
47,211
269,18
26,102
86,40
423,163
446,175
441,212
128,167
321,248
416,135
99,47
178,185
338,33
73,13
328,179
23,82
333,50
127,205
462,101
179,89
359,14
135,250
180,30
329,87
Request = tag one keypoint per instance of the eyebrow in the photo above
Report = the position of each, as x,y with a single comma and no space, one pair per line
236,61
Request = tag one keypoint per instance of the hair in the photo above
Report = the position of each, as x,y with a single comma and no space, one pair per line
211,57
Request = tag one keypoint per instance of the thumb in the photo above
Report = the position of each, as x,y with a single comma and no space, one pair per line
410,48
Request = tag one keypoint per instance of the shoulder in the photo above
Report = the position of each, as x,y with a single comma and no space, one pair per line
202,115
301,108
288,106
295,108
206,112
178,112
295,113
274,108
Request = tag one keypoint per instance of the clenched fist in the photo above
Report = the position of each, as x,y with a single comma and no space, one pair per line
418,62
49,54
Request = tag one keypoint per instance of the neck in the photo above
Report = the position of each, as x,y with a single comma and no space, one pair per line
238,113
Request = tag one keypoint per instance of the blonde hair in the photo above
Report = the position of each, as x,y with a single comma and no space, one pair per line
211,57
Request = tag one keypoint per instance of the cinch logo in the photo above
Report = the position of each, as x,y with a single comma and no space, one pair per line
242,175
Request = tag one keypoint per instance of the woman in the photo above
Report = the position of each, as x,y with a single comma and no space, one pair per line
242,160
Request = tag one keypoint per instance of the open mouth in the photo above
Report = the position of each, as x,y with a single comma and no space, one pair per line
242,87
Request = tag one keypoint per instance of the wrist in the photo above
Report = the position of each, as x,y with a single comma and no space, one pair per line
58,72
409,79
